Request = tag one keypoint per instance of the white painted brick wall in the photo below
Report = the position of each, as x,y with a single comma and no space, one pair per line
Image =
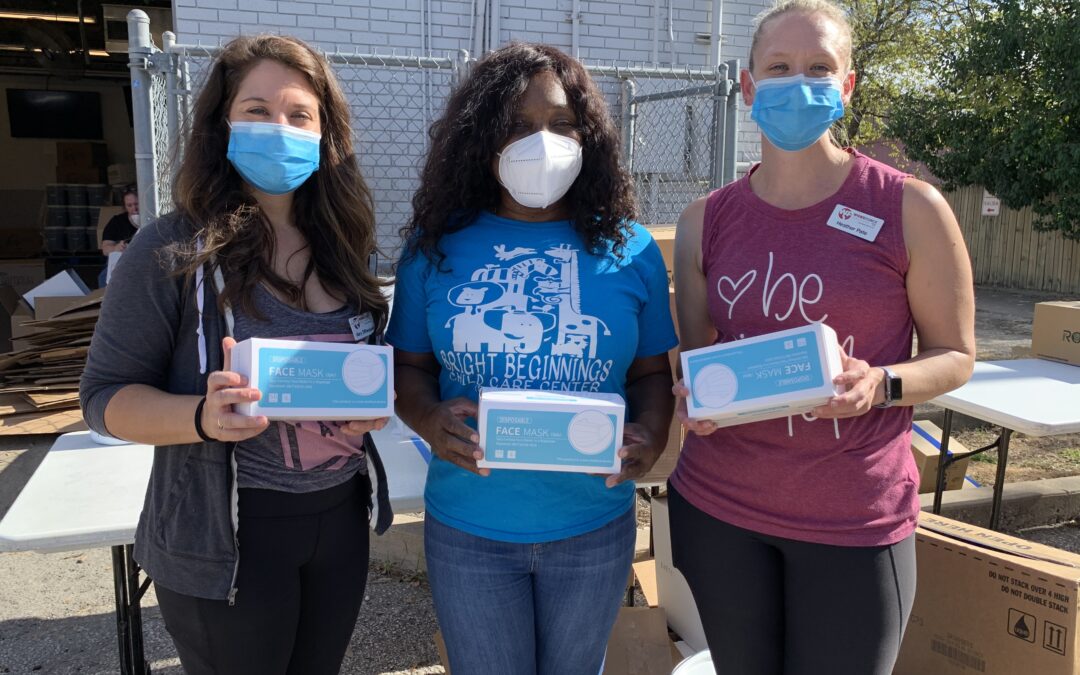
620,31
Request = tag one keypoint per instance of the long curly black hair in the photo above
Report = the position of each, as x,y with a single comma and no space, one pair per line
457,182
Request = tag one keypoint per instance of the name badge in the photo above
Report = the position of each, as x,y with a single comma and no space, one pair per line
362,326
862,225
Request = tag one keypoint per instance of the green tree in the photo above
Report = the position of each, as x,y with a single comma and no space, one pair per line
1003,109
895,46
890,39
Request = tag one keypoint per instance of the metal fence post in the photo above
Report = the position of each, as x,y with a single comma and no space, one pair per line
731,123
172,96
462,64
629,114
140,48
720,95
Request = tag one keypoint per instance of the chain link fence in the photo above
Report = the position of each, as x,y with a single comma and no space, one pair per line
674,123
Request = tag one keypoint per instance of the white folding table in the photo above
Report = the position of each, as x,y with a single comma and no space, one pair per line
1030,396
85,495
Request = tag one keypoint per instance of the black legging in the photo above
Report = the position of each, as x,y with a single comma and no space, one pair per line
303,568
772,605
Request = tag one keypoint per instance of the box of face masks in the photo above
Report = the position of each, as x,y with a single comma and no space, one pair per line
316,380
546,431
764,377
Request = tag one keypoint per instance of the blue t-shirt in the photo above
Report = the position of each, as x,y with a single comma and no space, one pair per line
525,305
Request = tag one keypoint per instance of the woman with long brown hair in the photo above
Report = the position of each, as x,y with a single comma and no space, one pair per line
255,533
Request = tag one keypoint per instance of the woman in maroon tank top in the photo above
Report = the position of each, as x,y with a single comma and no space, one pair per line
796,535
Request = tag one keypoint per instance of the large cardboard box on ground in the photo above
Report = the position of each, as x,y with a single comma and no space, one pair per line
673,593
990,603
1055,333
926,448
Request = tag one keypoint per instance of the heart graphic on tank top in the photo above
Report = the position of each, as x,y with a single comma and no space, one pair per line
738,288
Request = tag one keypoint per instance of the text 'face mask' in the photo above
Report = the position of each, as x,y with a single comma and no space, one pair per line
793,112
273,158
539,169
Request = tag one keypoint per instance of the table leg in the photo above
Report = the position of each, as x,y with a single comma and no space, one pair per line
943,460
135,593
129,611
999,480
122,627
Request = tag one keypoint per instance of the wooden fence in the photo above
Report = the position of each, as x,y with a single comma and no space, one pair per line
1007,251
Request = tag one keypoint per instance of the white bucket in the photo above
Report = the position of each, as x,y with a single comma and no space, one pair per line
698,664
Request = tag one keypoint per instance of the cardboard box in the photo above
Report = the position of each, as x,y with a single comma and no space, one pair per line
990,603
316,380
665,239
549,431
926,448
673,593
121,175
22,275
764,377
80,174
639,643
81,154
1055,333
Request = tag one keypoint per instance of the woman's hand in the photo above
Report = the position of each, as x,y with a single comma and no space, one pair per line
861,382
361,427
639,452
699,427
224,389
443,427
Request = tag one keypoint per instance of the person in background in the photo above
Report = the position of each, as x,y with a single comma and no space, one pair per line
524,269
796,535
256,533
122,227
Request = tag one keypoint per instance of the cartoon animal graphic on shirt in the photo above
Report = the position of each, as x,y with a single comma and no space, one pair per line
516,308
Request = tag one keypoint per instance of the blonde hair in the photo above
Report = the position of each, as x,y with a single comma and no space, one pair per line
824,8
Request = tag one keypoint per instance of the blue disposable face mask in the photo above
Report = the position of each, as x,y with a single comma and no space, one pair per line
793,112
273,158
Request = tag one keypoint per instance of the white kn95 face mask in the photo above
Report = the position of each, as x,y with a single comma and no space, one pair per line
539,169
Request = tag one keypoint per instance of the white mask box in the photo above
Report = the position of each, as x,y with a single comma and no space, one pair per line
316,380
788,372
548,431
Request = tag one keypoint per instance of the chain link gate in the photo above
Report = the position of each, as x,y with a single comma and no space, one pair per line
679,125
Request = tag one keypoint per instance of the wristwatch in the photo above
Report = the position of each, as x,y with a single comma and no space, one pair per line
894,388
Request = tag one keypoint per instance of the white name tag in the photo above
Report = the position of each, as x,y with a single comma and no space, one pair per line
862,225
362,326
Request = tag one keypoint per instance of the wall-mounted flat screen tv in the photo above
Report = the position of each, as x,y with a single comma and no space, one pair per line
40,113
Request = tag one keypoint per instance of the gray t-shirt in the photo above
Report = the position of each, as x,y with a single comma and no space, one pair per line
297,456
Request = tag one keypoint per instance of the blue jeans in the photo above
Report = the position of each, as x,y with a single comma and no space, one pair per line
528,609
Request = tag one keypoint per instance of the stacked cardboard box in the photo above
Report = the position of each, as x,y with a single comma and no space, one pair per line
81,162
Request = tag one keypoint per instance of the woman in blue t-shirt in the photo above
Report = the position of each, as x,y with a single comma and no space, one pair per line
524,270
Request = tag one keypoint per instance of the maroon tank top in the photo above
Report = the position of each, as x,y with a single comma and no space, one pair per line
849,482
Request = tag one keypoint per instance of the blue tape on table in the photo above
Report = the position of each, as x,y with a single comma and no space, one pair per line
422,448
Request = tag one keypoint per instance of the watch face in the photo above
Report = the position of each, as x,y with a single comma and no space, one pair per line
895,387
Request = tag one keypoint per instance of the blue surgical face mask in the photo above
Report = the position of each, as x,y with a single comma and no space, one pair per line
793,112
273,158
